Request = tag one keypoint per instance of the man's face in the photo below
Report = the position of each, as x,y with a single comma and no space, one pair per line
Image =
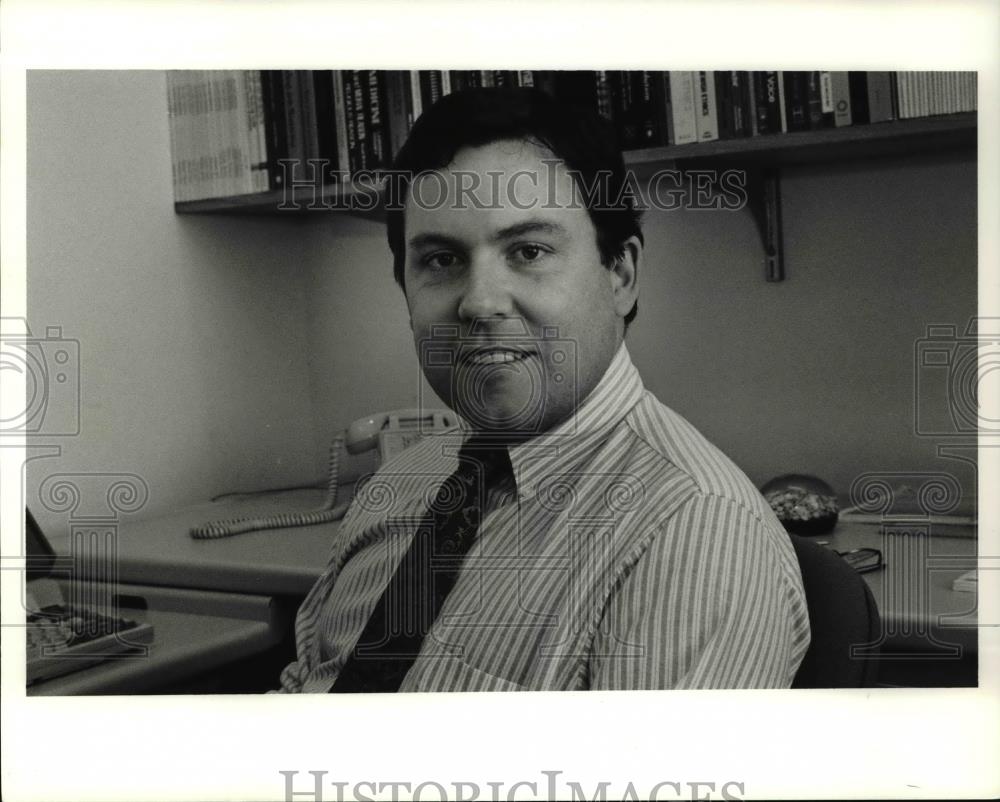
514,316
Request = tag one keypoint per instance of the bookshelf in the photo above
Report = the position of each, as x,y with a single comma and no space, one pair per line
761,157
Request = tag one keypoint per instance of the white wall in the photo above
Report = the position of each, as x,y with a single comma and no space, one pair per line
194,353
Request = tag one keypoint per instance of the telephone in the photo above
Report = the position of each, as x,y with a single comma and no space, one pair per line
385,434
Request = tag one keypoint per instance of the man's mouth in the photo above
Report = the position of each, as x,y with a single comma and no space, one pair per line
495,356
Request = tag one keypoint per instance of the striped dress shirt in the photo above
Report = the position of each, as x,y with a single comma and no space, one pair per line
626,552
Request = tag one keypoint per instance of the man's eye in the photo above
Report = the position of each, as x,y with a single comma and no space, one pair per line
441,260
529,253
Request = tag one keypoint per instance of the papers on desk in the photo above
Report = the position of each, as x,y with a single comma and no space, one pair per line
969,582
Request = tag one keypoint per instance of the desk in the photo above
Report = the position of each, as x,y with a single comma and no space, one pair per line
160,551
194,632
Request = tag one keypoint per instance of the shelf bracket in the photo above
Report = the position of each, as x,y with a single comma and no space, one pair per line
764,201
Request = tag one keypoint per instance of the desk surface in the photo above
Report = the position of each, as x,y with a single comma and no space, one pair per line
160,551
227,627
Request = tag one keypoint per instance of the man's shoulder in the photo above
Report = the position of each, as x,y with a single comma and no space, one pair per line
660,431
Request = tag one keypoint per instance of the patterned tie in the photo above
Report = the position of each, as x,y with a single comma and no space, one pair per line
410,603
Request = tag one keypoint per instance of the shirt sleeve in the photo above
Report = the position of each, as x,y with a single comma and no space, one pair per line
714,601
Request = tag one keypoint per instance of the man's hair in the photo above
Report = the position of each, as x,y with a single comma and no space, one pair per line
577,135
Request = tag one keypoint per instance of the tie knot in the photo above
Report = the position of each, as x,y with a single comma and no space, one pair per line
480,453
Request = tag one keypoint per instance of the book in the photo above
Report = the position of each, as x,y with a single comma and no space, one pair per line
309,124
840,95
814,101
416,95
768,102
340,122
359,154
374,97
857,85
706,113
606,97
399,113
274,112
740,102
796,101
723,104
682,102
782,102
664,104
294,135
258,127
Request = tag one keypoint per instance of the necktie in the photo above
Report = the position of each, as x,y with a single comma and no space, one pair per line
411,601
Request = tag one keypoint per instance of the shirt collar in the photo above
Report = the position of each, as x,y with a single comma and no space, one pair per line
559,449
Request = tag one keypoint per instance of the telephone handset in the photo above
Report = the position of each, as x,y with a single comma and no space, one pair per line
392,432
385,433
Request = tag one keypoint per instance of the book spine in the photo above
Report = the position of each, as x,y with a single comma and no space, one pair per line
723,101
174,116
858,86
659,108
768,94
826,103
278,133
666,109
398,115
248,135
879,97
739,85
683,106
340,125
840,94
752,103
525,78
263,171
706,113
416,94
782,103
374,105
326,129
796,101
310,125
360,155
605,95
445,82
814,100
210,173
353,162
293,121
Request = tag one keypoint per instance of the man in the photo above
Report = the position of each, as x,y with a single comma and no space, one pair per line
574,533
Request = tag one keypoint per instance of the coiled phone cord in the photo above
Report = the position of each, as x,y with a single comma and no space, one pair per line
330,511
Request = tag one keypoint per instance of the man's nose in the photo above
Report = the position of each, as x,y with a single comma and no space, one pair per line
487,291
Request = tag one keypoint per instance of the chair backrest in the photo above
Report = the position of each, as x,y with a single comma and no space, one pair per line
842,614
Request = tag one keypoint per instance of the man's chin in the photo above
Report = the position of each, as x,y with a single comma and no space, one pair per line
516,424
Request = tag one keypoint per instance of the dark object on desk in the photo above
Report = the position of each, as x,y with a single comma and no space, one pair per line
842,617
59,638
863,560
62,639
805,505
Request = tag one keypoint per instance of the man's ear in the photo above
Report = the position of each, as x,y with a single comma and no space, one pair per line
624,273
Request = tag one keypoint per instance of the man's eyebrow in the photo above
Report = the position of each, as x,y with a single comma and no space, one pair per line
528,227
433,238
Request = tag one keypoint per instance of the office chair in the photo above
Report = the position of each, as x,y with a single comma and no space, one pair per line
842,613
